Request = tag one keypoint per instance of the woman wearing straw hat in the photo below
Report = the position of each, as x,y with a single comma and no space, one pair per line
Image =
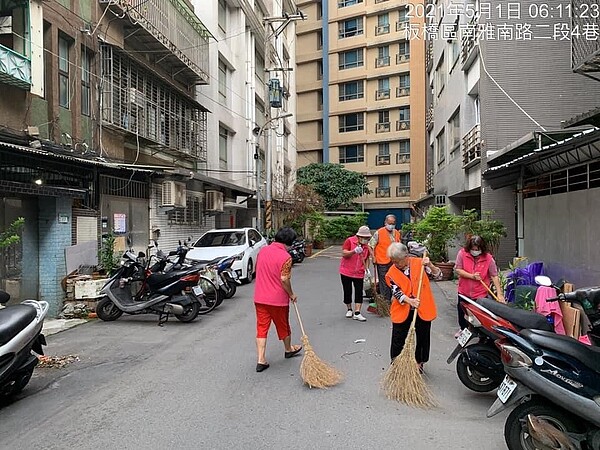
403,280
475,267
355,253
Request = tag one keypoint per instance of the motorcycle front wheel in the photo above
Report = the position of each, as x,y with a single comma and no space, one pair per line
473,378
232,289
107,310
516,431
300,257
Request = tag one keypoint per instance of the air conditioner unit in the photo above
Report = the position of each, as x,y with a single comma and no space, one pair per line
382,127
214,201
440,200
402,158
383,160
402,57
402,125
382,29
382,94
173,194
403,91
137,98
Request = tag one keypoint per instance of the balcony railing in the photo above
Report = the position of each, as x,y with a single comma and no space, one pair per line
382,160
429,181
471,147
429,55
402,25
429,118
402,58
382,127
402,125
15,69
382,192
175,27
403,91
468,41
402,191
382,94
402,158
382,29
382,62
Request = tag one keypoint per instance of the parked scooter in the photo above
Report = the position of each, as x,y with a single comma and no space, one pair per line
479,366
20,336
226,278
589,299
298,251
553,377
134,289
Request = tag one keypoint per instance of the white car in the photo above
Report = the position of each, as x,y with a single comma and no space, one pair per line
228,242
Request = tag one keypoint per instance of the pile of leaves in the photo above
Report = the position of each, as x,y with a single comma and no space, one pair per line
56,362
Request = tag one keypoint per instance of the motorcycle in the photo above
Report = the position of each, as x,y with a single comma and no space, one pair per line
135,289
298,251
20,336
479,366
227,278
589,299
553,377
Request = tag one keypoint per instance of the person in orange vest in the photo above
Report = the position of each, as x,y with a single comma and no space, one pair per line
403,280
379,244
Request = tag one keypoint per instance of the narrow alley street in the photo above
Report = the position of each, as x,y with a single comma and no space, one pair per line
190,386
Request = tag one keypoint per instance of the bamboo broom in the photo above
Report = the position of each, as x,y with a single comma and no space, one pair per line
487,288
314,371
382,305
403,382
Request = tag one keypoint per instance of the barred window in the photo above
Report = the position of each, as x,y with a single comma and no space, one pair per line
190,215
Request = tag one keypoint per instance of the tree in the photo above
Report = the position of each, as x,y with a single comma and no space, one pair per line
338,186
301,202
11,235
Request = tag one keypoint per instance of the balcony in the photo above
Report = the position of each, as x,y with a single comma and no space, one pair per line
382,29
429,181
429,118
15,69
429,55
382,160
382,192
402,158
168,30
468,41
382,127
402,125
402,25
403,91
402,191
471,147
402,58
382,94
382,62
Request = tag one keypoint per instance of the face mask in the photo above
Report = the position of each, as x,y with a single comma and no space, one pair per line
390,227
363,241
475,252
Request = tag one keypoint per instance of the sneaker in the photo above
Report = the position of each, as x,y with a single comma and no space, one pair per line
359,317
349,314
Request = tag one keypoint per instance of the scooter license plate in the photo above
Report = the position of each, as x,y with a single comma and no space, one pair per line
506,389
197,290
464,337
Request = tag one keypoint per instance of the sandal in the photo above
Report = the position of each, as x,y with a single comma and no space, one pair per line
260,367
293,352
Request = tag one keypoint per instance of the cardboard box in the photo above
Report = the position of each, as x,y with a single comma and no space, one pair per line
568,287
571,320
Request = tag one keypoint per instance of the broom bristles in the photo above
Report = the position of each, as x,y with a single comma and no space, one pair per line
403,382
383,307
315,372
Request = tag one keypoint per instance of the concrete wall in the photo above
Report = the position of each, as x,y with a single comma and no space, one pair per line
562,231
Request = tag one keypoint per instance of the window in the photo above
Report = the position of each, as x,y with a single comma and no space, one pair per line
404,181
402,15
440,76
476,106
320,100
319,11
86,90
352,154
454,51
319,70
260,67
351,59
351,122
190,215
384,149
405,113
384,117
351,27
440,143
222,83
404,80
404,147
351,91
383,24
383,56
454,131
222,16
344,3
319,40
404,48
319,130
383,155
223,135
384,181
63,72
383,84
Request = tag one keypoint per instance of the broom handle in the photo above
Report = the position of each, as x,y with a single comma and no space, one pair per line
489,290
299,319
414,321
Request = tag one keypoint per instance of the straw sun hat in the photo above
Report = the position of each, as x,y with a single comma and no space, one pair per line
364,232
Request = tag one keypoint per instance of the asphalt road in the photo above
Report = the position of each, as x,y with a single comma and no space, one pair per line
190,386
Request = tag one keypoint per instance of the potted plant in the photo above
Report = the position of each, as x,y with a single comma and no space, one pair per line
437,230
316,223
489,229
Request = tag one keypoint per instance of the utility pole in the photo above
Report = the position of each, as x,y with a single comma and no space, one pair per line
272,33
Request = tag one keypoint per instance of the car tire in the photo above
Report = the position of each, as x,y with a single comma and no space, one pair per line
249,271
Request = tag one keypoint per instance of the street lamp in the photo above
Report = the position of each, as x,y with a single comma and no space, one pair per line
363,195
258,131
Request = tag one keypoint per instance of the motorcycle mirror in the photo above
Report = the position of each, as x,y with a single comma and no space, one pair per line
141,255
543,280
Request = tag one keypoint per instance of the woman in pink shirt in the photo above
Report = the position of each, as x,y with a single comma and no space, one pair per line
474,265
355,253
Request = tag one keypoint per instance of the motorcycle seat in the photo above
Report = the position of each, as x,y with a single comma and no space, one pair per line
590,356
519,317
13,320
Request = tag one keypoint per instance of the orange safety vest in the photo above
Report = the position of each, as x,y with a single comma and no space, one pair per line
383,243
410,287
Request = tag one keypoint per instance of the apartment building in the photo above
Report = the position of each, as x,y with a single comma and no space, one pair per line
361,98
492,82
252,62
